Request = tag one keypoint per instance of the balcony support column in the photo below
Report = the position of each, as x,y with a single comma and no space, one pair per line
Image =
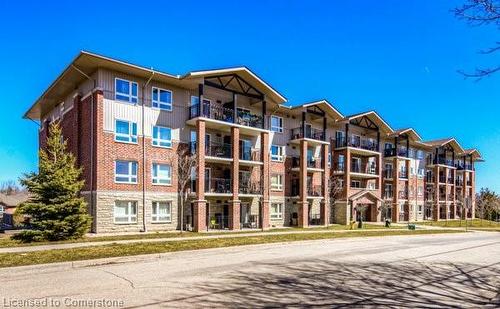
264,206
264,111
435,213
200,208
303,213
234,207
346,135
395,185
303,124
472,177
325,210
200,98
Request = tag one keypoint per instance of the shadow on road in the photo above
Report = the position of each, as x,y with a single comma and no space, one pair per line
321,283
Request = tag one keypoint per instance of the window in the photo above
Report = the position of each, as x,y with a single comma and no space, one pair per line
162,212
125,131
125,171
420,154
162,174
194,100
277,182
162,99
125,90
371,185
125,212
388,190
2,210
277,124
355,184
411,153
162,136
420,191
276,153
387,146
276,211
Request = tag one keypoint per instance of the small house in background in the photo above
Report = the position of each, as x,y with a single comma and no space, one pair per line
8,205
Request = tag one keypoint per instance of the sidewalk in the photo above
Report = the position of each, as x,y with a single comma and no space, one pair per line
153,240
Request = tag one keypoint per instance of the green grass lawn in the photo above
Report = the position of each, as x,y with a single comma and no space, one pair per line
115,250
475,223
7,242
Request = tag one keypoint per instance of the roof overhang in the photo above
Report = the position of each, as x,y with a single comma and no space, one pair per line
373,116
363,193
476,155
447,141
323,105
410,132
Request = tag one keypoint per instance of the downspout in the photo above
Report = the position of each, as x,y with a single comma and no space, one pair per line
92,171
144,228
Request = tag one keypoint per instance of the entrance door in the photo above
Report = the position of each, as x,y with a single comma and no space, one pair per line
245,215
225,216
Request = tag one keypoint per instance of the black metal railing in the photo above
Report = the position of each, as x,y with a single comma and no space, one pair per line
338,167
221,150
403,194
248,119
312,162
388,194
442,161
450,180
392,152
354,141
308,133
249,154
250,188
367,168
403,174
218,185
466,166
221,113
314,190
388,173
442,178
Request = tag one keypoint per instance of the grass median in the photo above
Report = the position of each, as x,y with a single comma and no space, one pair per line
475,224
6,241
117,250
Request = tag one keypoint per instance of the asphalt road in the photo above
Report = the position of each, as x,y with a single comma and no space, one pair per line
422,271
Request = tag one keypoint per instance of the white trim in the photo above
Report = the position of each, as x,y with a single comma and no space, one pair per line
279,185
278,215
160,102
159,140
129,95
129,176
271,124
169,215
130,136
130,216
158,178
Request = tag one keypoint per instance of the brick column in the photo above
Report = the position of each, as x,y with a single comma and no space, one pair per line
464,195
200,204
325,209
435,213
472,176
234,207
347,184
447,191
395,188
454,191
264,207
303,214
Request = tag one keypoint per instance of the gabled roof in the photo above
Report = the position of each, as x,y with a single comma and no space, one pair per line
410,131
14,199
476,155
362,193
326,106
373,116
86,63
444,141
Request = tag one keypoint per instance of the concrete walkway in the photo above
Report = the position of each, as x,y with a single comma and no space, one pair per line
168,239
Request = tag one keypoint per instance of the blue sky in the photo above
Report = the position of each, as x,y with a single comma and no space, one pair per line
397,57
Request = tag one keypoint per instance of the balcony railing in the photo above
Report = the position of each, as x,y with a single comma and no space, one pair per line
250,154
392,152
450,197
220,150
368,168
429,178
441,160
403,195
355,141
218,185
403,174
388,173
314,190
469,183
311,133
442,196
339,167
450,180
388,194
250,188
466,166
314,162
221,113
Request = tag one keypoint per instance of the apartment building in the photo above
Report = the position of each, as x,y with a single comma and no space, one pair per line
260,162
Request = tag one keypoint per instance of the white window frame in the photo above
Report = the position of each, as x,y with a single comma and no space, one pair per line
168,105
2,209
279,157
132,139
279,185
157,181
158,140
355,181
157,218
129,95
278,129
131,218
276,215
130,176
371,186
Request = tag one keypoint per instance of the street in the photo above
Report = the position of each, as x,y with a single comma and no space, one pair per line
439,271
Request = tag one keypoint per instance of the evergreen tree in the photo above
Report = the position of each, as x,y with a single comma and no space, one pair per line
57,211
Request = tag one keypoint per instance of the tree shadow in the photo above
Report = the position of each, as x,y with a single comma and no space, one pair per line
322,283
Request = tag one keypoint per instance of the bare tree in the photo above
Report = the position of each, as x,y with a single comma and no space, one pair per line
10,187
479,13
334,191
385,206
185,160
360,210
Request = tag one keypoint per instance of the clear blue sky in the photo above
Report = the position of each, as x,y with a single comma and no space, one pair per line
397,57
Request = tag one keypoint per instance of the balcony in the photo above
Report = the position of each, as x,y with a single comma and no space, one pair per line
450,197
430,179
249,188
440,161
356,142
403,195
309,133
450,180
219,150
311,163
464,167
403,174
368,168
218,186
315,191
248,153
393,152
388,194
442,196
388,173
338,167
220,115
469,183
